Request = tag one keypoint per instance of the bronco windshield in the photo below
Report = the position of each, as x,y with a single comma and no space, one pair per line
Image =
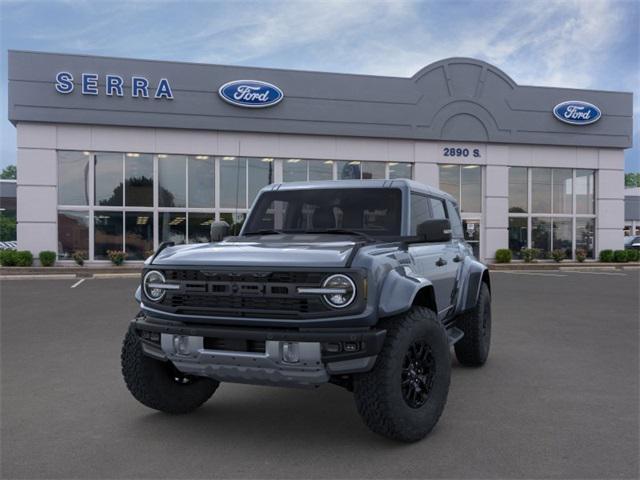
375,212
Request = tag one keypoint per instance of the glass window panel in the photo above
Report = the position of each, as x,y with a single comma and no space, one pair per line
235,221
373,170
172,227
437,208
541,235
585,235
320,169
562,235
562,190
517,236
471,188
585,191
138,177
138,235
201,181
108,233
172,181
200,227
518,190
541,190
400,170
260,175
294,170
108,181
454,218
349,170
73,178
73,233
233,182
450,180
419,211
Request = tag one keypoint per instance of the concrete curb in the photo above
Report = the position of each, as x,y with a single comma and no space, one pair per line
75,272
564,266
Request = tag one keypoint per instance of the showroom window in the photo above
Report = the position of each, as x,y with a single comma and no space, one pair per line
551,209
464,183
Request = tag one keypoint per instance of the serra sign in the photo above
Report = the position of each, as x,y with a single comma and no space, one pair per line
113,85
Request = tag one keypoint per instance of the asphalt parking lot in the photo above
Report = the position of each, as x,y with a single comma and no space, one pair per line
558,398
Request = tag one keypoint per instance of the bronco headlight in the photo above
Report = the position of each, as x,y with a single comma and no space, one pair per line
340,291
153,285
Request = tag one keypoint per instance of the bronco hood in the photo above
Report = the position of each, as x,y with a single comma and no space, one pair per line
263,251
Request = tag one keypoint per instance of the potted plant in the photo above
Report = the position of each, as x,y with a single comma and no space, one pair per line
47,258
558,255
79,256
503,255
581,254
117,257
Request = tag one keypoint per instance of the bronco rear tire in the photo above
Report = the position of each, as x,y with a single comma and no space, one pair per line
159,385
404,395
473,349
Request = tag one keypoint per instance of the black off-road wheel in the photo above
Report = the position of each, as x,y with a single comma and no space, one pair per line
159,385
404,395
473,349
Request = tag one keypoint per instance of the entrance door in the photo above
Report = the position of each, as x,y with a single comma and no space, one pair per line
471,227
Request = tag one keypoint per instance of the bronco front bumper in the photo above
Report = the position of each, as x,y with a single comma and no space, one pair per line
268,356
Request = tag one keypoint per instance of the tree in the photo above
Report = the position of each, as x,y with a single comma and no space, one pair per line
9,172
632,180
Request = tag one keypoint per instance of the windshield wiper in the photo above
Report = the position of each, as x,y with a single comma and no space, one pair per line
343,231
263,232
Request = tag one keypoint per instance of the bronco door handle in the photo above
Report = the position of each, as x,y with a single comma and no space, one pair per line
457,258
441,262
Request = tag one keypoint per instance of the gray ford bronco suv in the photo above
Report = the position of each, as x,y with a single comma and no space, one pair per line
363,284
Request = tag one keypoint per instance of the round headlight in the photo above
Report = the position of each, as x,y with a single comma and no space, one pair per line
151,278
343,291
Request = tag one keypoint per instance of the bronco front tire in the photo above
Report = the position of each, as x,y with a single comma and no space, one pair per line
158,384
404,395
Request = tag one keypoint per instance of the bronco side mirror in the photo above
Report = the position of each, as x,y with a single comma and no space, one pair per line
435,230
219,230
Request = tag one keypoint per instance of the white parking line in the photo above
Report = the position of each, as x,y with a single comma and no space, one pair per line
78,283
532,273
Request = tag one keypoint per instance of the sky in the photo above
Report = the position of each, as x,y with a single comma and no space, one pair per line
566,43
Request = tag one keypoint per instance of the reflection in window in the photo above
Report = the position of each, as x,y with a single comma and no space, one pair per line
562,235
201,181
234,220
518,190
585,235
437,208
419,211
172,227
517,235
294,170
260,175
73,233
471,195
233,182
373,170
450,180
138,172
200,227
73,178
320,170
562,190
454,218
541,190
139,235
400,170
108,179
541,235
108,233
349,170
172,181
585,191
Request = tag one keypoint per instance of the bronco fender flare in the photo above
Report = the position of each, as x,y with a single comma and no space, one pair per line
475,274
401,288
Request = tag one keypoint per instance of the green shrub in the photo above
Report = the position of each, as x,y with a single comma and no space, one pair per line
529,254
8,258
581,254
117,257
24,258
47,258
633,255
606,256
503,255
80,256
558,255
620,256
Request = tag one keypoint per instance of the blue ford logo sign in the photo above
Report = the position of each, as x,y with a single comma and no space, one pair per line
576,112
250,93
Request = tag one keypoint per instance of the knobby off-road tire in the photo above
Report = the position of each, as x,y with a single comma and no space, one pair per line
384,397
473,349
158,384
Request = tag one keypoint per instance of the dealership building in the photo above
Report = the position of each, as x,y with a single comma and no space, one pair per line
123,154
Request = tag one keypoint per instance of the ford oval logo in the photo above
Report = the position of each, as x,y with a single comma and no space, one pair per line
576,112
250,93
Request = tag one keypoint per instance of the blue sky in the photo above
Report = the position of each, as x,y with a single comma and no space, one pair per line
568,43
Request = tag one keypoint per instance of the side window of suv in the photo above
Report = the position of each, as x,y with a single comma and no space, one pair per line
454,218
419,211
438,209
